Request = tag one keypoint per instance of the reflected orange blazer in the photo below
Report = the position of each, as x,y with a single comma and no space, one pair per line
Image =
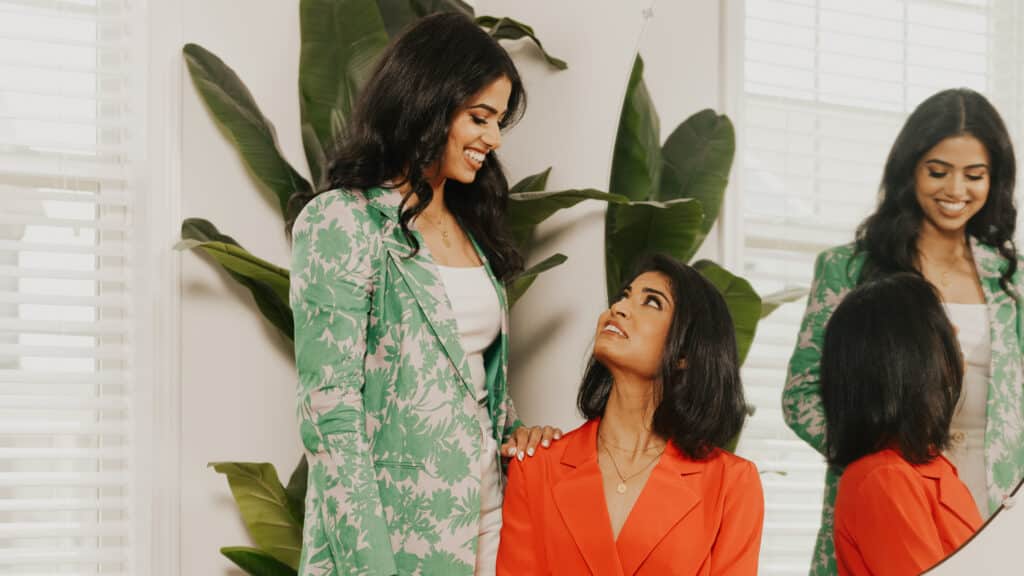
896,518
692,517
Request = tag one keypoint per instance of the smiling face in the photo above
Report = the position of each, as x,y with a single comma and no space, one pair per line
475,131
631,334
952,182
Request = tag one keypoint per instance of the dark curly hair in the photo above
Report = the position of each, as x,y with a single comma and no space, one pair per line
889,236
700,407
399,129
891,372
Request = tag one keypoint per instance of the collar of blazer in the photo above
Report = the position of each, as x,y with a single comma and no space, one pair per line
942,471
421,276
670,494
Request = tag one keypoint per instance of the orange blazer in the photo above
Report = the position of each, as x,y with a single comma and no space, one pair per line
692,517
894,517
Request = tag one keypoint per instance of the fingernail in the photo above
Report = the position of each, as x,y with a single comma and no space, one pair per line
529,451
557,435
545,443
520,455
512,451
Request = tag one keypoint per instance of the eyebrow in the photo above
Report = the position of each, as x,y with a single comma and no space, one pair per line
948,165
488,108
658,292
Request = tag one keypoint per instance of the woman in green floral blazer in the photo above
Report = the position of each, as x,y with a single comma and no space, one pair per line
947,213
401,424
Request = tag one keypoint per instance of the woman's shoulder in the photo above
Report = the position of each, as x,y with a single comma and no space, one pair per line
730,463
885,462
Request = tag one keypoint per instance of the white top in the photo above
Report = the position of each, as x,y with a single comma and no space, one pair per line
967,431
477,313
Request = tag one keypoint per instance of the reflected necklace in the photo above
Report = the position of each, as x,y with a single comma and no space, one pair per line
621,488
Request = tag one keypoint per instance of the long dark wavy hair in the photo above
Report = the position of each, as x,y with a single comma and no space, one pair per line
399,129
699,406
891,372
889,236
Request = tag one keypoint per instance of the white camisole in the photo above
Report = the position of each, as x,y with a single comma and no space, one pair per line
967,431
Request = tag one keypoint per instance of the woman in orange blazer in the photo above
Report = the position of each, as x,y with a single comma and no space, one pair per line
891,373
643,487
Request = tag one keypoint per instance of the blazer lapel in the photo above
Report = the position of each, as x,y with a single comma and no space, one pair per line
665,500
424,282
579,497
953,494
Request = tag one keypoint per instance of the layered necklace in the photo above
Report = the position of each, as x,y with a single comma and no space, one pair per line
443,229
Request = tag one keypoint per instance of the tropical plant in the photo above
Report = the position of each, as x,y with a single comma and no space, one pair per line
340,42
675,192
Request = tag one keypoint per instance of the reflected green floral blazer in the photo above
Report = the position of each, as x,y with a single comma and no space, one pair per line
391,427
835,273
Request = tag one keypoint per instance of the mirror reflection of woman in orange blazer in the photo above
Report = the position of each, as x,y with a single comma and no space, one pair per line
891,374
643,487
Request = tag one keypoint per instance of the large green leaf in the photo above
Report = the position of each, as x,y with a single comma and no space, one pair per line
427,7
396,15
264,506
341,40
257,562
296,489
533,183
509,29
744,304
696,159
636,162
525,279
267,283
234,109
771,302
528,209
640,228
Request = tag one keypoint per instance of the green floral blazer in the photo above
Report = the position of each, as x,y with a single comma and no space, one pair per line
835,273
388,417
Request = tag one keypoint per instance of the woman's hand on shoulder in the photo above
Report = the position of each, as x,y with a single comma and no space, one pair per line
524,440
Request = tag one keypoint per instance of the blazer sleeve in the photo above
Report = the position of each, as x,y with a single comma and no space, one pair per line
887,526
335,252
802,408
738,543
519,549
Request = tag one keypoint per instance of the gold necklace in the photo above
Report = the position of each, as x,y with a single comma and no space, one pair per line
621,488
445,238
944,275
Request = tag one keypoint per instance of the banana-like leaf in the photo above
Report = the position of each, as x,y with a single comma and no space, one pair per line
267,283
744,304
525,279
533,183
264,506
637,229
396,14
427,7
256,562
528,209
234,109
696,160
636,162
509,29
341,40
771,302
296,489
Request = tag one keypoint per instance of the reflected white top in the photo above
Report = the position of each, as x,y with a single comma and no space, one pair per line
967,431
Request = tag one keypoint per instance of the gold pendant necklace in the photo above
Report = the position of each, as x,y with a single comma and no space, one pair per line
621,488
445,238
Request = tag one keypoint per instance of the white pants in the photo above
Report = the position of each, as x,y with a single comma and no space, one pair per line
490,510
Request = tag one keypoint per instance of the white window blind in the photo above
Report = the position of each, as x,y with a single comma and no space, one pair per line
827,85
66,331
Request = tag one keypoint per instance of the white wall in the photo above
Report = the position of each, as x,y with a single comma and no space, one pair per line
237,376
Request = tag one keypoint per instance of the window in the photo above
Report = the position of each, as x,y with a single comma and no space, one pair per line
67,336
826,87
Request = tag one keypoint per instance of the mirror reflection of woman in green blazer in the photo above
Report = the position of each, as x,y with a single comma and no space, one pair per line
401,318
946,213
